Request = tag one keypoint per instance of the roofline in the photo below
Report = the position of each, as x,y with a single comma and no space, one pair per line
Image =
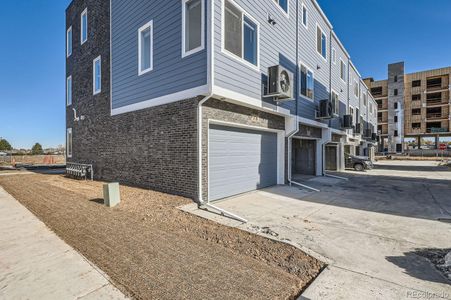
322,13
340,44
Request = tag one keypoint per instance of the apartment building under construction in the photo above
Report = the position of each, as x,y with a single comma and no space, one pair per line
415,105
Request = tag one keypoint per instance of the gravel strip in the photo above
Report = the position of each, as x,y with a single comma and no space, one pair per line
152,250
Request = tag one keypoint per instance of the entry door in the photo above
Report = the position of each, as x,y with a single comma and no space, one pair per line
331,158
240,160
304,157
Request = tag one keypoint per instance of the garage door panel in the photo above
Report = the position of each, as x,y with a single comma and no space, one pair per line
240,160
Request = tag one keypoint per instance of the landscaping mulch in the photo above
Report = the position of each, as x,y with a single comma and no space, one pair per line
152,250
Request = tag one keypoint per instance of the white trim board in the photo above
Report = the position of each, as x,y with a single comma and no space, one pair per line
182,95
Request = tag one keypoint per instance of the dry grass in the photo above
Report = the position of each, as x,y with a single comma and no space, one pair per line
152,250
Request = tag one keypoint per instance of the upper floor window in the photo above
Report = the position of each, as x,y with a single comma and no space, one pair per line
334,56
342,70
356,88
84,26
416,83
283,4
371,108
304,15
145,48
365,99
97,75
193,26
395,92
321,42
240,34
69,42
395,79
335,103
69,91
351,112
307,82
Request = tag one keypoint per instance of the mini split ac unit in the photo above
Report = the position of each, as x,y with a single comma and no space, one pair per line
280,83
325,110
347,122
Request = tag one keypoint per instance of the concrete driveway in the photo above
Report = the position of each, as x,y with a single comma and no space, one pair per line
376,230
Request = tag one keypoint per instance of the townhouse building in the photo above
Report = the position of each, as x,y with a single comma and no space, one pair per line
211,98
412,106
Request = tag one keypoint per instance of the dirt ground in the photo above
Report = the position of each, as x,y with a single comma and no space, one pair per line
152,250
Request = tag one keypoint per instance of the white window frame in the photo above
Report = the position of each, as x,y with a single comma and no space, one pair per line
69,141
286,13
69,91
232,55
336,109
365,99
140,30
334,56
352,113
316,37
300,78
84,13
356,84
94,90
306,18
345,73
71,41
202,45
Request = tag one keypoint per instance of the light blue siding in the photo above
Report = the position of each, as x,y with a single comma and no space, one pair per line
171,73
277,47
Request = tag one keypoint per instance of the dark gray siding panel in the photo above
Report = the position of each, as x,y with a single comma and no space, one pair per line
171,73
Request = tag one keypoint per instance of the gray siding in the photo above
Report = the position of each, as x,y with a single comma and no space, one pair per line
171,73
338,85
277,46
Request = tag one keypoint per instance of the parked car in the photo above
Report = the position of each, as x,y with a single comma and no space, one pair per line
358,163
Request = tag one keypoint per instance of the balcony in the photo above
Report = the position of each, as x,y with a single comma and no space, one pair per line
436,130
434,84
382,120
436,116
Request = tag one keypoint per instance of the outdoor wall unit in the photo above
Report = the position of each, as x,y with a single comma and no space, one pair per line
325,110
347,122
280,83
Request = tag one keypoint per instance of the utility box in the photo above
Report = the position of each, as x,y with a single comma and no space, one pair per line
111,194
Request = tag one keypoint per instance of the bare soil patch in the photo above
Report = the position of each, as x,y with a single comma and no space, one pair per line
152,250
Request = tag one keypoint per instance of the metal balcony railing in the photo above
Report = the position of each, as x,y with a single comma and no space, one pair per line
436,116
436,130
436,101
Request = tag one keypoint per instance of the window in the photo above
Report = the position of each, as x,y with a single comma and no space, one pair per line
416,83
416,125
334,54
335,103
304,16
356,88
69,91
395,119
395,92
240,34
416,111
371,108
395,105
365,99
69,142
69,42
395,133
193,26
145,48
84,26
342,70
395,79
283,4
321,42
377,91
307,82
416,97
97,75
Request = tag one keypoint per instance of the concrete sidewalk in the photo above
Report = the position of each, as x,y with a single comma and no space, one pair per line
36,264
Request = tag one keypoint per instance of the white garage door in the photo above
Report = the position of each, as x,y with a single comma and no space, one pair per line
240,160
